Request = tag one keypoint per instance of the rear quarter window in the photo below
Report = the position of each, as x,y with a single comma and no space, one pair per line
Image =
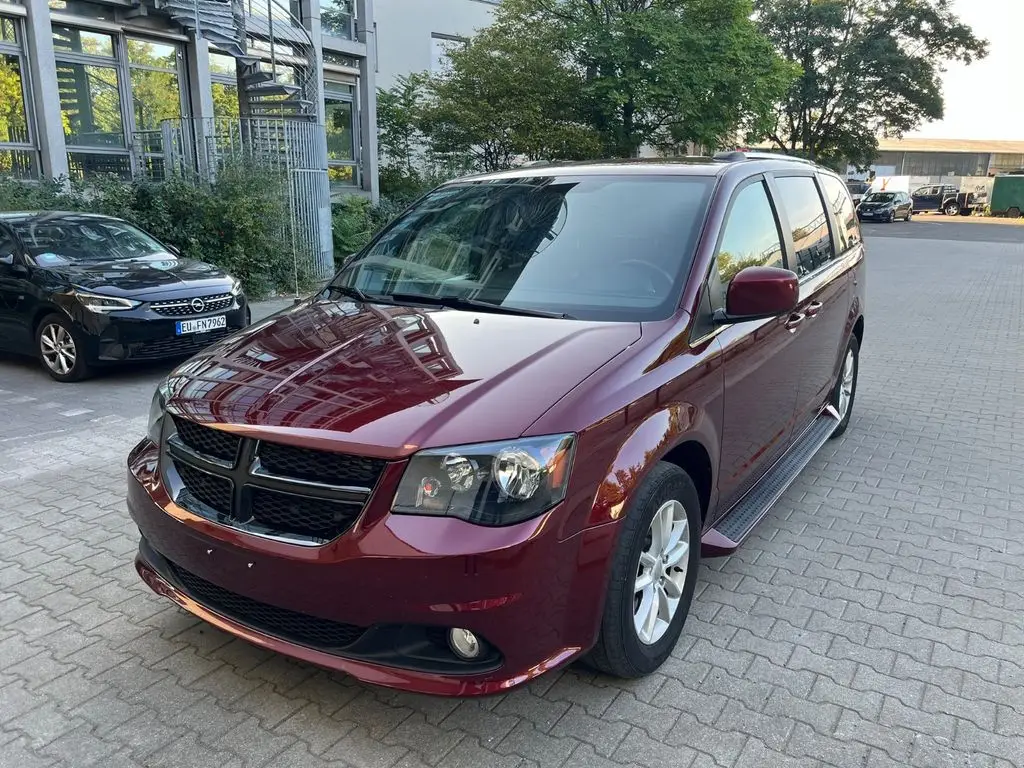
839,201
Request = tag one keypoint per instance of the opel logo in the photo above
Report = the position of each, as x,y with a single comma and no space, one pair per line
198,305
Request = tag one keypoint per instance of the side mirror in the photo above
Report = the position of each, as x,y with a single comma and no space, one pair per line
8,259
756,293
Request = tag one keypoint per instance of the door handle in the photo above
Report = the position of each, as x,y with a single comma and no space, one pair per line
794,320
813,308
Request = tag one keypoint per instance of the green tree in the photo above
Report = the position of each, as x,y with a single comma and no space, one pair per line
507,94
399,117
869,67
656,72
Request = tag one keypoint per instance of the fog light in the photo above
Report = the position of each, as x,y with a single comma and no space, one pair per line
464,643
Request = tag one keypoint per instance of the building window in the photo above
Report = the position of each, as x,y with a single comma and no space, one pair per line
224,86
89,87
18,157
441,47
154,71
337,18
339,119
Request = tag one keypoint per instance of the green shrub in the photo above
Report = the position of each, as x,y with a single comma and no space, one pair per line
239,221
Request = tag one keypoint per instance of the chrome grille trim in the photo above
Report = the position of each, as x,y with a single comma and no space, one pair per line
247,477
183,307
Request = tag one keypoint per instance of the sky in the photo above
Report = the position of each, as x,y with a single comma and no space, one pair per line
985,100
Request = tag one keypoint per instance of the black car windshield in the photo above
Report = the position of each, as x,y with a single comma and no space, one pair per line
69,240
592,247
880,197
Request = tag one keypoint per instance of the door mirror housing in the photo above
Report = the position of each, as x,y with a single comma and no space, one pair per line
756,293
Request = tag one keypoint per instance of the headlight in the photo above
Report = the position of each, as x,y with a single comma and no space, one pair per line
489,484
236,286
96,303
157,411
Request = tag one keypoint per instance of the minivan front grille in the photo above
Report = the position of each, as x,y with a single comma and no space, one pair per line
301,495
319,466
206,440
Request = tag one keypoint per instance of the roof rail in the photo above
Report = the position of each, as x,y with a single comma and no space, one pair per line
737,155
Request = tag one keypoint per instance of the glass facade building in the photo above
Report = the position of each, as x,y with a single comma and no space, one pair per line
87,88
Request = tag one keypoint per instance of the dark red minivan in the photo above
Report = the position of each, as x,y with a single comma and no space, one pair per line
504,434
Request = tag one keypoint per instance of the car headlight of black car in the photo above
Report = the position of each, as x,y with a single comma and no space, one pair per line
236,286
95,302
158,410
490,484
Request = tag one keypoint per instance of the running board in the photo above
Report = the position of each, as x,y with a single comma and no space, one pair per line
729,532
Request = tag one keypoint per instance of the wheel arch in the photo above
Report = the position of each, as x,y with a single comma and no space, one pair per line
679,434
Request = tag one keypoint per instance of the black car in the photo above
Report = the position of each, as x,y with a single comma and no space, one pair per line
936,197
885,206
80,290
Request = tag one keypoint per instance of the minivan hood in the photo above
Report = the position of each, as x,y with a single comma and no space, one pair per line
387,380
142,277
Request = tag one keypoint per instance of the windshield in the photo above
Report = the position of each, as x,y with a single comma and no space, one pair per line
857,187
594,247
70,240
880,197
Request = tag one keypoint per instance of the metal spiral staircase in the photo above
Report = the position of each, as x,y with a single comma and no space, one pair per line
280,70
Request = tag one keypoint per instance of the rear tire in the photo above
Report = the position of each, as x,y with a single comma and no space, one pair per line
1013,213
951,208
845,390
648,601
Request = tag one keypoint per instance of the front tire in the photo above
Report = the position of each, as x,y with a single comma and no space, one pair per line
654,572
61,349
846,386
892,216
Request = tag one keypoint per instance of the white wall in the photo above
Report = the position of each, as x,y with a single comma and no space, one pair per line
405,29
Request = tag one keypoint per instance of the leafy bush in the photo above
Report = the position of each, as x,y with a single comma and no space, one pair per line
239,221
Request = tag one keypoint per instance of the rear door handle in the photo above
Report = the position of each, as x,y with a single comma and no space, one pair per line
794,320
813,308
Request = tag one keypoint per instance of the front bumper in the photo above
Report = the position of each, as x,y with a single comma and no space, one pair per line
880,215
398,580
143,334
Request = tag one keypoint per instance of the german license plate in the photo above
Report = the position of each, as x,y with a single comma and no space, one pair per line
200,325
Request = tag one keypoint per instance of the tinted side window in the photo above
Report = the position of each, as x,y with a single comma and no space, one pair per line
842,206
812,241
7,247
751,235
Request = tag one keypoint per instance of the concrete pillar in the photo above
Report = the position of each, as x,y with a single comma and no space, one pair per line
200,96
310,10
200,99
368,99
43,70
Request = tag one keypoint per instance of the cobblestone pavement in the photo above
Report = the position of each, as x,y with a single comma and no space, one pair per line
874,619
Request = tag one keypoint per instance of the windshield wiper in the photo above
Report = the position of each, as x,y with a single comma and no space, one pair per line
359,295
458,302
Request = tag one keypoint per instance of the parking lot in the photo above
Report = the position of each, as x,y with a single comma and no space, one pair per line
875,618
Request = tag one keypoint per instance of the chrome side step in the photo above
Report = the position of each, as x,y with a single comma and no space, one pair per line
729,532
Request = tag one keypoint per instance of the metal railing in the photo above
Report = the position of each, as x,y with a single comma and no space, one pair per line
294,149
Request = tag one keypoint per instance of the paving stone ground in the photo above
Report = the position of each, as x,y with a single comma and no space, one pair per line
876,618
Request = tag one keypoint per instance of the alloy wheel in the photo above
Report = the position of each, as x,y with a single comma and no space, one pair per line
661,573
58,349
846,384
